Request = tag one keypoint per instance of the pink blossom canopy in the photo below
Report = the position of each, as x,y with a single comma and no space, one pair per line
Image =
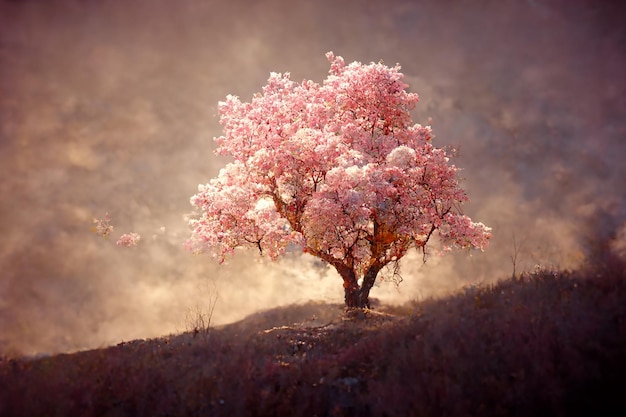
338,169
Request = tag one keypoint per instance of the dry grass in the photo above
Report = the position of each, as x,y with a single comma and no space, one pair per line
544,344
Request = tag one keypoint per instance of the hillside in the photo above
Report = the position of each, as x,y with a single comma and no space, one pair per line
542,344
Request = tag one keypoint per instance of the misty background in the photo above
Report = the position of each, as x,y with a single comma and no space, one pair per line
111,106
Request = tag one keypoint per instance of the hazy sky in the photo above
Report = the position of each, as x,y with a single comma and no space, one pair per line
110,106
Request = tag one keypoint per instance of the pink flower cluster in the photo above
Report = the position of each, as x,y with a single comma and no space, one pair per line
104,228
339,169
128,240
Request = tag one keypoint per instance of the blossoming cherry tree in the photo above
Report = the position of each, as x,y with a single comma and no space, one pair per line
339,170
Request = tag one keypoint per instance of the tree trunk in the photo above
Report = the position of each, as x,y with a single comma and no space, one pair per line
352,294
367,284
350,286
355,296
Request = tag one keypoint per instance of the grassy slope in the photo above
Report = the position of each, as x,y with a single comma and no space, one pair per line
545,344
